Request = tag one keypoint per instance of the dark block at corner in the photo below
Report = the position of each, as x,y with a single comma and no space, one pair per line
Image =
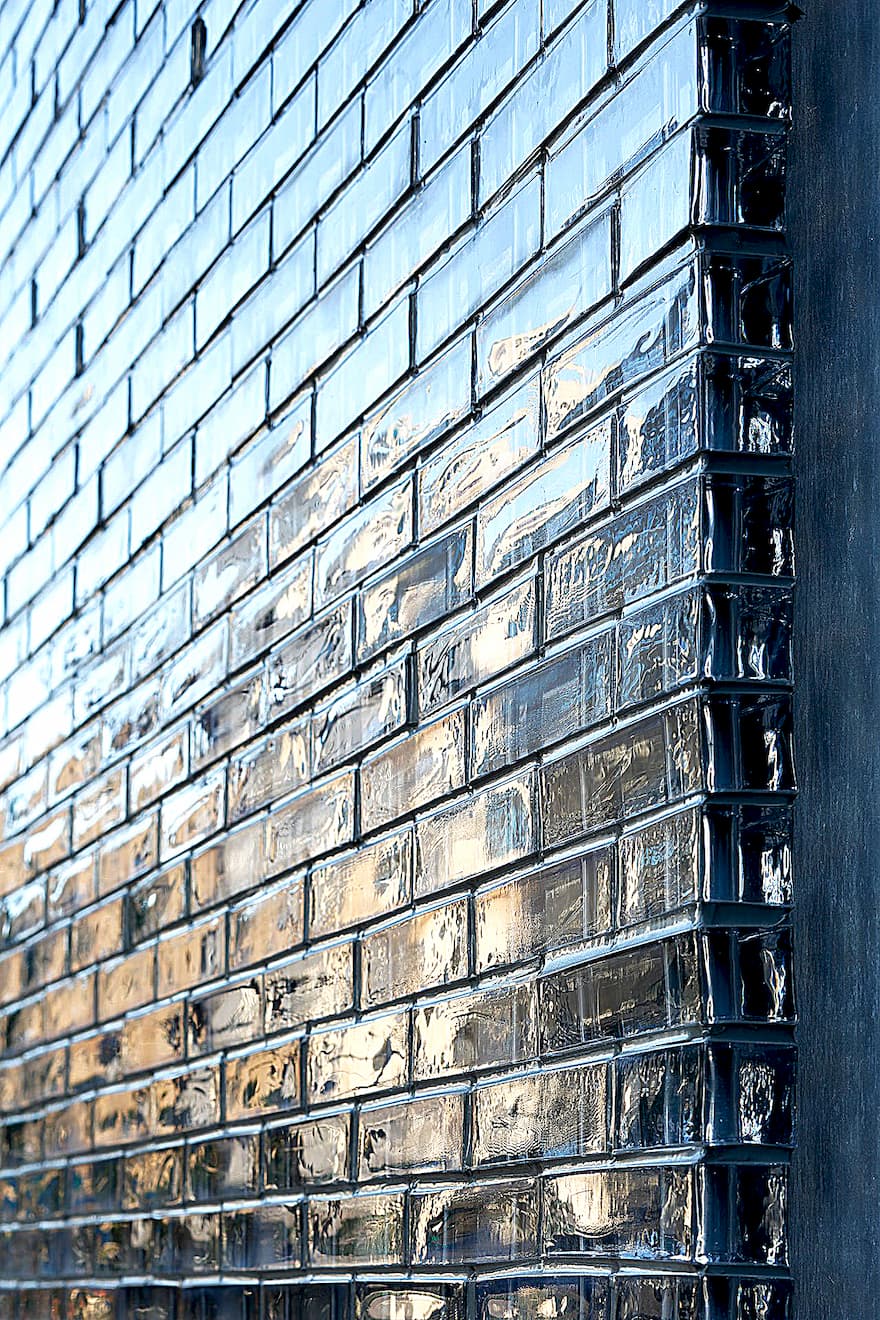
396,768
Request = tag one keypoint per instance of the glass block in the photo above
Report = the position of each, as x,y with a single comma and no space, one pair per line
433,582
321,1301
41,1194
223,1168
654,1299
385,179
659,201
772,1299
486,642
134,716
765,969
192,814
633,1213
321,329
418,414
153,1178
541,1116
84,1304
191,957
186,1102
660,867
583,1298
370,1056
263,1081
228,867
96,809
93,1059
493,1222
422,1301
22,912
761,1214
264,1237
547,94
658,98
765,729
640,337
750,299
126,983
491,828
194,672
393,912
148,1303
71,886
152,1039
159,767
426,46
477,79
465,1034
42,1077
417,1135
366,540
228,1302
460,282
318,985
228,720
622,773
313,501
562,491
553,701
659,1099
303,1153
270,923
412,772
355,886
65,1131
569,282
156,902
228,1016
619,995
375,363
269,461
121,1117
229,573
763,623
196,1239
635,21
414,953
544,910
661,424
314,658
438,209
308,823
753,1094
24,1026
358,717
96,935
357,1229
45,960
499,442
26,799
660,649
764,855
271,613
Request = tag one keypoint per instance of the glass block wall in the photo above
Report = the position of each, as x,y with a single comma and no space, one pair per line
395,660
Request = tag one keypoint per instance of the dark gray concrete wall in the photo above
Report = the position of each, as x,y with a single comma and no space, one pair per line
834,208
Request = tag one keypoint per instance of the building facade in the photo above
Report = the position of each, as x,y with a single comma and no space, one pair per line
396,660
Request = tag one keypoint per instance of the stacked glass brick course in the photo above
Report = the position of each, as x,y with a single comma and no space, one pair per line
395,660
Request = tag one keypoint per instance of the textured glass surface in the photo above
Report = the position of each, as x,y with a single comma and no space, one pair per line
396,764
